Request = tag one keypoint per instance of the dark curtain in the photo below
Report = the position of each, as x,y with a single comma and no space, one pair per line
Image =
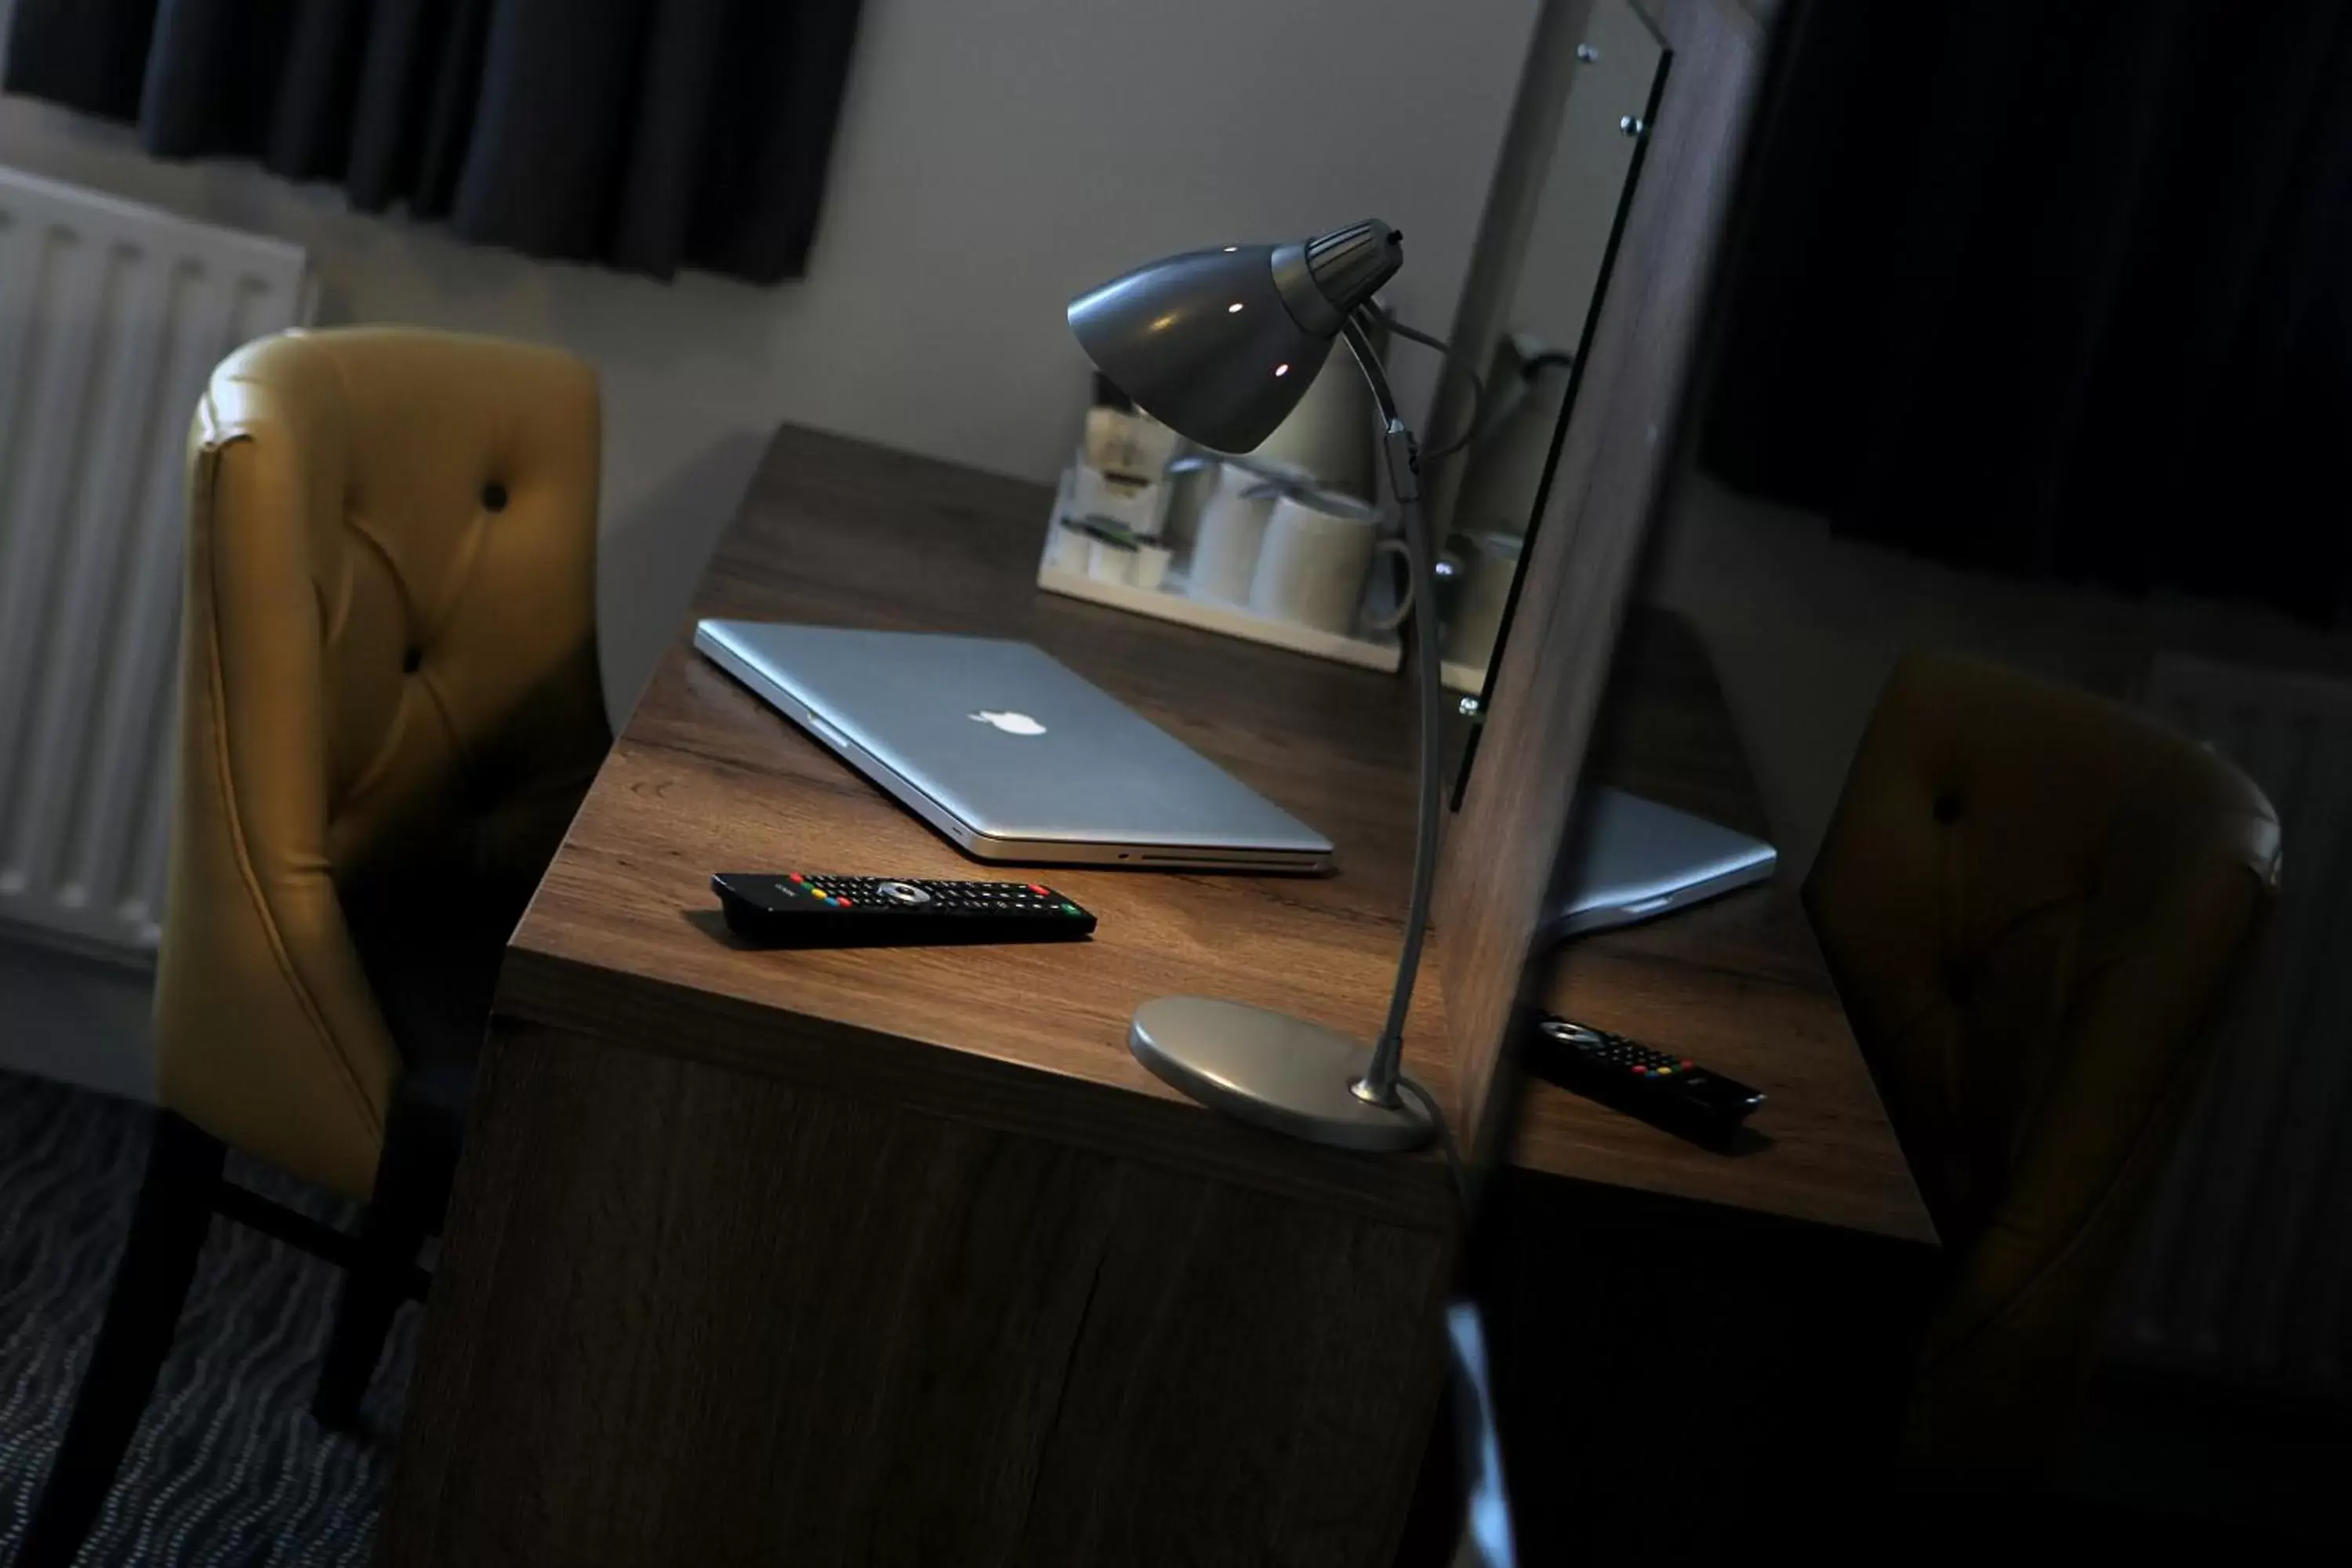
642,134
2058,289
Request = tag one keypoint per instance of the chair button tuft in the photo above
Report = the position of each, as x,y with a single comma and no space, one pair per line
410,660
494,495
1948,808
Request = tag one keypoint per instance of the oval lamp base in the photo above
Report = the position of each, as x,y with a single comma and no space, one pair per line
1269,1069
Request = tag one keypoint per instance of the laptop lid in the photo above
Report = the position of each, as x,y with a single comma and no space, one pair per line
1010,753
1631,860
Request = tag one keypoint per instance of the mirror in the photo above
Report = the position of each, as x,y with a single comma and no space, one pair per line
1570,161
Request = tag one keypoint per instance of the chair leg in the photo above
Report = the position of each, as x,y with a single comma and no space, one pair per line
373,1292
412,1192
150,1285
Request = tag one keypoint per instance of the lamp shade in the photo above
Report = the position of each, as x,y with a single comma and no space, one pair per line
1220,345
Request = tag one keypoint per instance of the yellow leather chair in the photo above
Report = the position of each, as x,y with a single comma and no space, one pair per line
2034,903
389,710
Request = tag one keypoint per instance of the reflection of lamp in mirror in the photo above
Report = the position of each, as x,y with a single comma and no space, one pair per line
1220,345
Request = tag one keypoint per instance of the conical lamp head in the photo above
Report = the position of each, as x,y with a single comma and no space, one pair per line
1203,343
1220,345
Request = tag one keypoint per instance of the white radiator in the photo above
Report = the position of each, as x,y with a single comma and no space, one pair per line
2245,1268
112,315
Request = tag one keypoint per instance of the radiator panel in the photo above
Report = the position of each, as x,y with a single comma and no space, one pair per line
2244,1271
112,315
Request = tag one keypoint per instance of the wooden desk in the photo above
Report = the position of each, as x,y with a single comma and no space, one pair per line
900,1255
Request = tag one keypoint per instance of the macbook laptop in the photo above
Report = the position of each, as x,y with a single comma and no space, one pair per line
1009,754
1632,860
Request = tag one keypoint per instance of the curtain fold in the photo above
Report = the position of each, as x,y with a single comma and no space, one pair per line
646,135
2059,291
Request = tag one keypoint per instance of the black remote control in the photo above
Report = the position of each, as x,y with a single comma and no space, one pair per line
809,908
1675,1092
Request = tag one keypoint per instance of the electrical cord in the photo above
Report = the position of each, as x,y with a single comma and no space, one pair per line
1454,1164
1471,429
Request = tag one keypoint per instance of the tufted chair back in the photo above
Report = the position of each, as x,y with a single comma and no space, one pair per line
2034,903
390,707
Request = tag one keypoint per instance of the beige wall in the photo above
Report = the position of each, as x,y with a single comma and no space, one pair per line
994,156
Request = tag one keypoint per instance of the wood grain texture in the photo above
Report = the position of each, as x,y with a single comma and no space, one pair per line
695,1314
622,939
1622,442
705,777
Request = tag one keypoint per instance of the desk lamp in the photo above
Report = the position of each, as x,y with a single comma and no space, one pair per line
1220,345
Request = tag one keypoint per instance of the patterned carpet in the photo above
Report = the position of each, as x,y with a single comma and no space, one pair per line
228,1471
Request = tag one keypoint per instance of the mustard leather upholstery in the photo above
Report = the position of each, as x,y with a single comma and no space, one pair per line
389,709
2034,903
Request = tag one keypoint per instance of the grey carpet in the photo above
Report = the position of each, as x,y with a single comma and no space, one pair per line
227,1470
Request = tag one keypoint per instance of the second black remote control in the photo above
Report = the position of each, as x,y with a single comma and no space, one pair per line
810,909
1674,1091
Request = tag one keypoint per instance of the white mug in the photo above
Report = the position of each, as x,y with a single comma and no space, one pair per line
1313,562
1232,528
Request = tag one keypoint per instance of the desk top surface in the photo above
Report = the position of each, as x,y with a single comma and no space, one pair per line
624,938
704,777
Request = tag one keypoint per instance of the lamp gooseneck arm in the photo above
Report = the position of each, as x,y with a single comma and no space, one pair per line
1379,1084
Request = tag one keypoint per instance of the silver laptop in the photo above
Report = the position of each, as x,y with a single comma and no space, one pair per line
1010,754
1632,860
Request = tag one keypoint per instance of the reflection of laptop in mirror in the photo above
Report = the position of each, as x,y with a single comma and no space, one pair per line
1632,860
1010,755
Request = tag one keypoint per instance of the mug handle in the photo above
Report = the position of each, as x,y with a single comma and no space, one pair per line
1395,617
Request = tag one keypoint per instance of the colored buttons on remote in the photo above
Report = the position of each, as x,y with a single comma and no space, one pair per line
1615,1050
809,908
1652,1084
978,898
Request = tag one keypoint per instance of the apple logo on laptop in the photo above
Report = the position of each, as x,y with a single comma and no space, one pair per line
1010,723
